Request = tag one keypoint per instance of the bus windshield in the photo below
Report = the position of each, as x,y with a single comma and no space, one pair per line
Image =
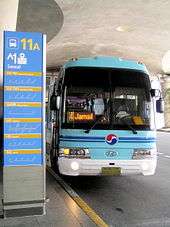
105,98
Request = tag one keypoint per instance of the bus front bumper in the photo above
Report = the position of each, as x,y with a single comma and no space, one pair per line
88,167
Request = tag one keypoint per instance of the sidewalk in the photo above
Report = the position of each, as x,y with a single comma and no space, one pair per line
61,210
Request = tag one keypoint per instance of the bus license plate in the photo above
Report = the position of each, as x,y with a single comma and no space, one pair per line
113,171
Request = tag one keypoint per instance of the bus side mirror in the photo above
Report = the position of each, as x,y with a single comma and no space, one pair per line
153,92
54,102
160,105
58,102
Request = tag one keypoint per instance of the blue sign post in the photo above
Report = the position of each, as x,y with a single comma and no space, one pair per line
24,96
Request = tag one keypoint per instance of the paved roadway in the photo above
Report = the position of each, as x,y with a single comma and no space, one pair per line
131,200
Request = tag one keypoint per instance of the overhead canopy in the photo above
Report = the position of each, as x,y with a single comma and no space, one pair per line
137,29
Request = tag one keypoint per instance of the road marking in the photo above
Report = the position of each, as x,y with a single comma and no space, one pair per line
166,156
160,153
80,202
90,212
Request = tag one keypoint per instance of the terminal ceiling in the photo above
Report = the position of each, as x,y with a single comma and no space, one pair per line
138,29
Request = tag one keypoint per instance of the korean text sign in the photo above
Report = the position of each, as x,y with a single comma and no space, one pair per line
23,98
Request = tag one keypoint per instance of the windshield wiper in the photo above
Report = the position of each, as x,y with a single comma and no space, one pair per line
97,120
123,119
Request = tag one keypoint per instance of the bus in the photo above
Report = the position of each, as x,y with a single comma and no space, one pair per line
101,118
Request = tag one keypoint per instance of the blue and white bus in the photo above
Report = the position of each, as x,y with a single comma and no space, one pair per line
101,118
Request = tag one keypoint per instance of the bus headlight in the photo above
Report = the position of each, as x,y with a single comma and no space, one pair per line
74,152
143,153
145,166
74,166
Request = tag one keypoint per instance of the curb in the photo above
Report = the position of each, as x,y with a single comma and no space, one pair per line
164,130
80,202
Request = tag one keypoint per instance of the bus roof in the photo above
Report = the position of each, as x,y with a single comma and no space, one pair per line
106,62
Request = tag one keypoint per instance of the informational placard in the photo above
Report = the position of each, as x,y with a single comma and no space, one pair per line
24,85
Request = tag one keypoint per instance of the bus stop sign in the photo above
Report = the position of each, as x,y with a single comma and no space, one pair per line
24,84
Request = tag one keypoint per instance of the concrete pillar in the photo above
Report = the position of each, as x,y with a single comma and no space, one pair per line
8,20
23,186
166,91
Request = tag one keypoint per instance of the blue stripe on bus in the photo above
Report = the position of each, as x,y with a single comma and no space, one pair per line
101,139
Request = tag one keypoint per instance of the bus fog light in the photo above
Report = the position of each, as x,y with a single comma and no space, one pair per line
145,166
74,165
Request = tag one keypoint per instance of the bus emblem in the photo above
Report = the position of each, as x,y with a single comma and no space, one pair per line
111,139
111,153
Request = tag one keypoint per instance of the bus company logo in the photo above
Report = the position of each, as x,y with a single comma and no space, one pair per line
111,153
111,139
